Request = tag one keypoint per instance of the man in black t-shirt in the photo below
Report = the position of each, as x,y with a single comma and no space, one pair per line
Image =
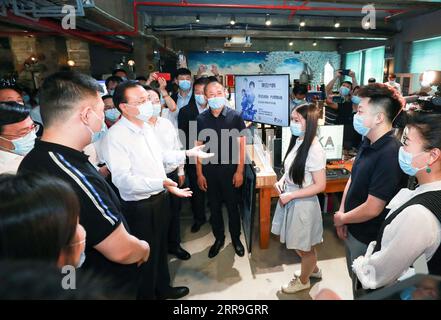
376,175
73,114
220,128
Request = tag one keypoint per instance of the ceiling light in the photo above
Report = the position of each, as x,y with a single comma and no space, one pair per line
267,20
302,23
198,18
131,62
233,21
70,63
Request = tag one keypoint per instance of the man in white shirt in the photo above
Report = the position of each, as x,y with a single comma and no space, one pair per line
392,81
184,94
168,138
136,161
17,135
187,127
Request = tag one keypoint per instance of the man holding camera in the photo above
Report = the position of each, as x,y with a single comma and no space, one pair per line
345,105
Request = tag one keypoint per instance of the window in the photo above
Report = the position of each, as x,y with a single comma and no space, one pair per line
425,55
366,64
353,62
373,64
329,73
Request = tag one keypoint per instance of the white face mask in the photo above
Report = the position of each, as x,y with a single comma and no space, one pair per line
145,111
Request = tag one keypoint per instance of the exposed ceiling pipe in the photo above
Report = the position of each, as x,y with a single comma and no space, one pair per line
285,7
53,27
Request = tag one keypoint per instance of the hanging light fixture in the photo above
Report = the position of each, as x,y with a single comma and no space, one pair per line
267,20
233,20
198,18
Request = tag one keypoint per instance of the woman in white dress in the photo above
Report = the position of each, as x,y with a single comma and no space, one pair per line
298,217
412,230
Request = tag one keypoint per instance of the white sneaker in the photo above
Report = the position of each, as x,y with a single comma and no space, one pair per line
317,275
295,285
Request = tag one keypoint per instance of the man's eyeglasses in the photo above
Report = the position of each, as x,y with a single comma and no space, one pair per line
34,127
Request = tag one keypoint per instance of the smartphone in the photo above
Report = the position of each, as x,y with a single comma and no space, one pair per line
345,72
337,99
166,76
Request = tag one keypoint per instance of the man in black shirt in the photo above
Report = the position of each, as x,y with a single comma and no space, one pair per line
187,127
73,113
221,129
344,108
376,175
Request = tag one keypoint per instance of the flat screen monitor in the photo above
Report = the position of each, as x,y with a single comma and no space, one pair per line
263,98
331,139
248,204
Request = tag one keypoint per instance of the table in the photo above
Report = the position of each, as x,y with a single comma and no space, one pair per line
265,180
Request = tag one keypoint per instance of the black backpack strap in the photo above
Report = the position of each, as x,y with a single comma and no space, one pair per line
431,200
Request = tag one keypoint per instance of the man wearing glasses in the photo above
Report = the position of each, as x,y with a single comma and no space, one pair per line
17,135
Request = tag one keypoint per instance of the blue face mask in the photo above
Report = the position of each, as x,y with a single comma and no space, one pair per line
184,85
356,100
145,111
359,126
95,136
23,145
112,114
26,99
344,91
200,99
296,129
297,102
217,103
405,160
156,109
82,259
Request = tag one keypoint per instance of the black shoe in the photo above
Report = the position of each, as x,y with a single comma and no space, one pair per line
238,247
196,226
180,253
215,248
174,293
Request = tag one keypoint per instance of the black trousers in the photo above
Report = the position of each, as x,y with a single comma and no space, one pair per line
221,190
174,230
149,220
198,198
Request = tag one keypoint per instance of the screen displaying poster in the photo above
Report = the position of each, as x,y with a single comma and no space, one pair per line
263,98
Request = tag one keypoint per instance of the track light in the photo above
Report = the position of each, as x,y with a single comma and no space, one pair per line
302,22
267,20
198,18
233,21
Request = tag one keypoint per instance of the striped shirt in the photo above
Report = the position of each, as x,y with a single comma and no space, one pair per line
100,212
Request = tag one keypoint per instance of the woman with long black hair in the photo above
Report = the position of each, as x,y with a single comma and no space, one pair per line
298,218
